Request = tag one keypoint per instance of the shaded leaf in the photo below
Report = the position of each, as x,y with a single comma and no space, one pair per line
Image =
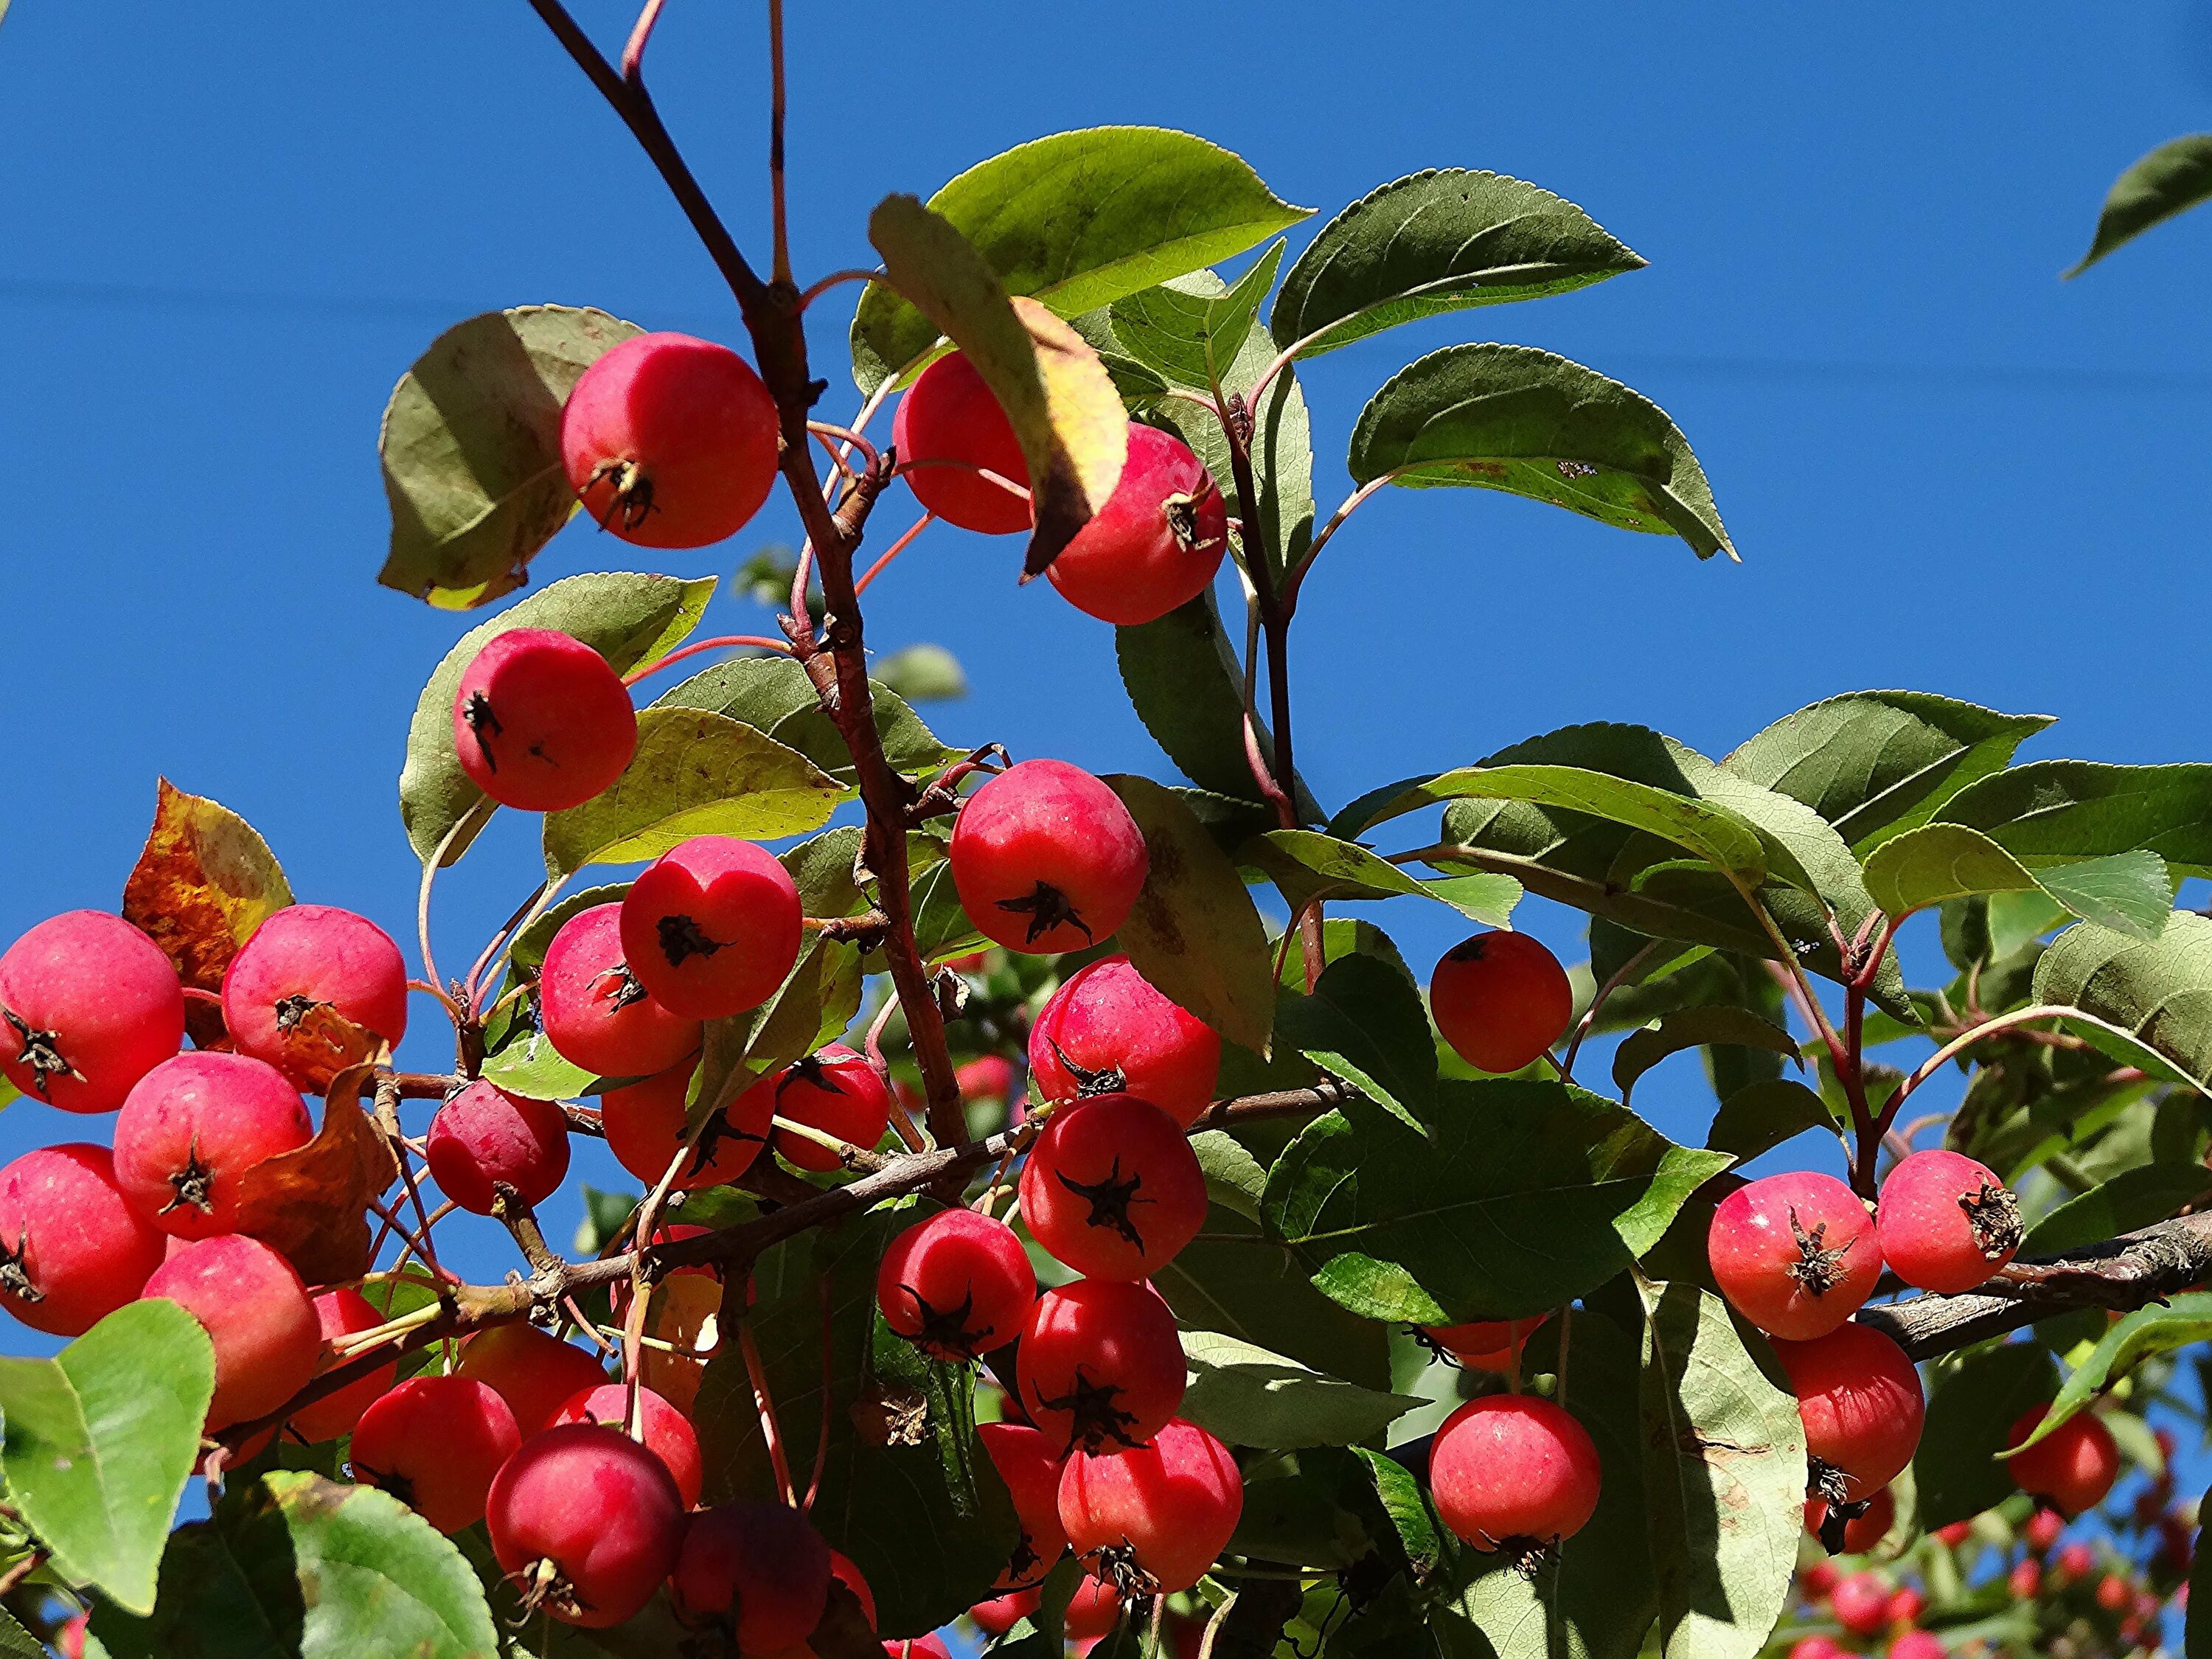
1940,863
471,449
1247,1396
1195,932
1066,414
2143,1335
1521,1196
1695,1028
1971,1410
2172,179
1191,329
627,618
101,1440
813,1005
1365,1023
1307,865
2134,1197
1079,220
922,673
775,694
2146,1001
694,774
310,1204
1760,1116
1440,240
1724,1475
1531,423
2129,892
2061,812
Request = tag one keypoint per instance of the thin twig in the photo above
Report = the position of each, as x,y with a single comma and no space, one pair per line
771,1431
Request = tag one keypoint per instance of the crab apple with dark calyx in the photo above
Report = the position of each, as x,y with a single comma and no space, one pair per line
1482,1345
1046,858
542,722
948,425
1031,1466
534,1371
73,1248
1093,1610
1861,1603
759,1573
1848,1528
255,1311
957,1286
1002,1613
834,1089
2072,1467
1108,1029
342,1312
711,926
314,991
1100,1366
1794,1253
594,1010
644,1124
666,1433
1513,1473
1500,1000
1155,543
89,1005
435,1443
1152,1520
586,1522
670,442
1946,1222
1861,1404
487,1145
192,1126
1112,1188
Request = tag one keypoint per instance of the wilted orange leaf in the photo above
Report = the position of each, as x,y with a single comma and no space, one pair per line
311,1204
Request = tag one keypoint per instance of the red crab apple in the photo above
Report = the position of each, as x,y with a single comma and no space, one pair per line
1861,1404
193,1127
1861,1604
1484,1345
670,442
759,1572
1107,1020
644,1125
667,1433
587,1521
486,1144
89,1005
1513,1472
342,1312
542,722
1151,1519
1795,1254
434,1442
711,926
949,423
256,1314
1946,1222
304,964
834,1089
1157,542
957,1285
1046,858
1029,1464
1101,1365
534,1371
72,1248
1093,1610
2072,1467
597,1013
1500,1000
1861,1532
1112,1187
1002,1613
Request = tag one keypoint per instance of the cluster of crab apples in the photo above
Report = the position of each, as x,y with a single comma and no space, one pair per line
1798,1255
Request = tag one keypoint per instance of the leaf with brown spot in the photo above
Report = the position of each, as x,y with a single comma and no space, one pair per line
311,1204
204,883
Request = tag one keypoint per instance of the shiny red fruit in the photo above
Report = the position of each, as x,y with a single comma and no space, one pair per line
255,1312
2043,1529
434,1443
486,1144
1513,1472
711,926
342,1312
1107,1020
1101,1366
667,1433
1947,1223
1153,1519
957,1285
1046,858
1157,542
1112,1187
1484,1345
1031,1465
834,1089
587,1521
644,1125
73,1250
541,721
1861,1402
1093,1610
1500,1000
756,1573
193,1127
948,425
670,442
314,991
1002,1613
2072,1468
1861,1604
597,1013
1794,1253
535,1372
89,1005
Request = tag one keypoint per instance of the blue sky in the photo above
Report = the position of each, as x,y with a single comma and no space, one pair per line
1946,470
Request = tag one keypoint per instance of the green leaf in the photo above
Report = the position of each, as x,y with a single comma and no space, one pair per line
1281,451
2129,892
816,1002
1441,241
15,1642
1248,1396
1079,220
821,867
1939,863
1531,423
627,618
1724,1474
294,1566
101,1440
1365,1023
774,696
942,927
527,1065
2144,999
1971,1412
1429,1228
1195,932
1695,1028
694,774
1306,865
1191,329
2134,1197
1877,763
2172,179
471,449
1760,1116
922,673
1066,414
2061,812
2143,1335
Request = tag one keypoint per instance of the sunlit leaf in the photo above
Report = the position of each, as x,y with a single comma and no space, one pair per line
2172,179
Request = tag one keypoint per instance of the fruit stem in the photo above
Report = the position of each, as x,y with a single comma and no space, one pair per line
893,550
771,1432
816,290
720,642
1620,977
829,1378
